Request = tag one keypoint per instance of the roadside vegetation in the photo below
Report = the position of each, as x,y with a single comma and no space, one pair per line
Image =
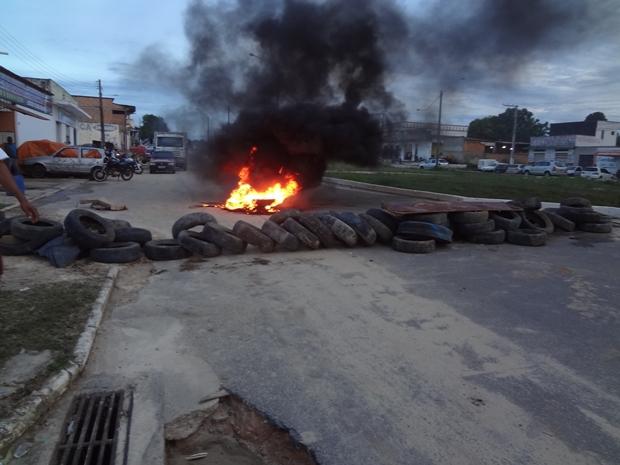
488,185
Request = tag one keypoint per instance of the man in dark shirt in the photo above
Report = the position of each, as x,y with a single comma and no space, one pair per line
10,148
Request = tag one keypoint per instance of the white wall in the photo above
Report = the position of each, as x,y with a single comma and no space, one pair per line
29,128
88,132
607,133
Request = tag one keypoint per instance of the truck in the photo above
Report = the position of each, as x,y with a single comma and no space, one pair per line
175,142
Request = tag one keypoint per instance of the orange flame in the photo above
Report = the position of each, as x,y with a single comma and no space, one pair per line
246,197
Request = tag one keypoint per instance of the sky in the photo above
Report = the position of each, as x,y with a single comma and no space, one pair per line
77,42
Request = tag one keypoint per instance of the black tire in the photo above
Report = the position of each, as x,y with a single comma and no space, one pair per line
139,235
127,174
408,246
578,202
529,237
281,216
468,229
252,235
191,220
120,224
5,226
224,238
343,232
280,235
12,246
507,220
559,221
385,217
580,214
491,237
99,174
117,252
319,229
367,235
88,229
469,217
418,230
435,218
38,171
300,232
536,219
167,249
384,234
595,227
42,231
196,244
530,203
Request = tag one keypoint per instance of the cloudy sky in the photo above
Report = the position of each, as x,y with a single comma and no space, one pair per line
77,42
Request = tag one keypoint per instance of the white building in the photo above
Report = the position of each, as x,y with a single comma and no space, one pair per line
414,141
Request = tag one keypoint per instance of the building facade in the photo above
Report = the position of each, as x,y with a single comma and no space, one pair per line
117,122
416,141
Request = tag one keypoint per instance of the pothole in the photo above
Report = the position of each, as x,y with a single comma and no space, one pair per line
231,433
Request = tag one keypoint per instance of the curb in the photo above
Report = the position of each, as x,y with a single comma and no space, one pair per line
38,402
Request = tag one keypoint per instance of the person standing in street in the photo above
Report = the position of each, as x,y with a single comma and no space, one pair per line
10,148
7,181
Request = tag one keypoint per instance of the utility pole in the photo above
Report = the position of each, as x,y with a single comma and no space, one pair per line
514,132
101,122
439,129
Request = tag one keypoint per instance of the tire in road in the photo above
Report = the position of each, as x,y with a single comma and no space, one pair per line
139,235
281,216
468,229
507,220
418,230
529,237
280,235
300,232
118,224
579,214
12,246
559,221
578,202
88,229
5,226
319,229
413,246
197,245
491,237
595,227
117,252
191,220
224,238
343,232
42,231
469,217
384,234
367,235
529,203
536,219
435,218
385,217
166,249
252,235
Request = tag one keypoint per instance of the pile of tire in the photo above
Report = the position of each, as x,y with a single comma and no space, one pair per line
19,236
577,213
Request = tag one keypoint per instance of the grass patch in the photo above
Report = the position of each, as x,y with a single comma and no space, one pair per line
492,185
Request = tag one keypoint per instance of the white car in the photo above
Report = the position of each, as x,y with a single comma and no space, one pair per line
430,163
601,174
487,165
545,168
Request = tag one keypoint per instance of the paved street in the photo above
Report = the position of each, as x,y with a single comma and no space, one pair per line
473,354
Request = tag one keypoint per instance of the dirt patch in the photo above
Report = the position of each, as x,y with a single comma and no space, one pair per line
231,433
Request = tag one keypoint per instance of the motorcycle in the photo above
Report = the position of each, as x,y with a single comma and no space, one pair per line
115,168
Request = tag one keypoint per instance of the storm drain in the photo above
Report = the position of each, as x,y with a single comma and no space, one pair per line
90,433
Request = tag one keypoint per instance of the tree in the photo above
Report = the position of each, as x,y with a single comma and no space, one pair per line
499,127
150,124
596,116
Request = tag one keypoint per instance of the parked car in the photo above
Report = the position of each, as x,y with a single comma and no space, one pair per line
601,174
515,169
545,168
573,170
501,167
162,160
487,165
68,160
430,163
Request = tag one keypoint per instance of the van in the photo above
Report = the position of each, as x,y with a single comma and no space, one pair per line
487,164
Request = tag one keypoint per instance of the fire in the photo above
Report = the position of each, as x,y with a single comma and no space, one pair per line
246,197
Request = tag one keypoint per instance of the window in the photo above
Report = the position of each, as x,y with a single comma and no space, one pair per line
539,156
68,153
603,134
561,156
613,133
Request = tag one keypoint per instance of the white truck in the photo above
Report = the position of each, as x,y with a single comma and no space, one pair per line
175,142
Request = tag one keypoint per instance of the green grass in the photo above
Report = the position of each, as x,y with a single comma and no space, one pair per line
491,185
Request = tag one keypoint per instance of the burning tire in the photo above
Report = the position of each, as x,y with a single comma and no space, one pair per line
224,238
167,249
595,227
88,229
252,235
139,235
319,229
559,221
195,243
384,234
469,217
468,229
280,235
191,220
305,237
117,252
417,230
529,237
385,217
408,246
490,237
367,235
535,219
507,220
283,215
40,232
343,232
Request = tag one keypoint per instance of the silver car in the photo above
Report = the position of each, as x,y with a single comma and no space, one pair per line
68,160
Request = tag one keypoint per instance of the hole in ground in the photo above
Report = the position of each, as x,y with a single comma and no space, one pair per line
231,433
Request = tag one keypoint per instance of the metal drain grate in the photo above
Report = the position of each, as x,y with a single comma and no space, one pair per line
90,433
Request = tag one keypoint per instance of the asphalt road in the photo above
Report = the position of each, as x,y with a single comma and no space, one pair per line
473,354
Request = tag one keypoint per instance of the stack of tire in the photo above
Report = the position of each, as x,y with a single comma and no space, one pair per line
529,227
19,236
577,213
419,233
478,227
105,240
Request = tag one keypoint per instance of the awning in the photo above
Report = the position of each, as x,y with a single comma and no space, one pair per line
12,106
73,109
